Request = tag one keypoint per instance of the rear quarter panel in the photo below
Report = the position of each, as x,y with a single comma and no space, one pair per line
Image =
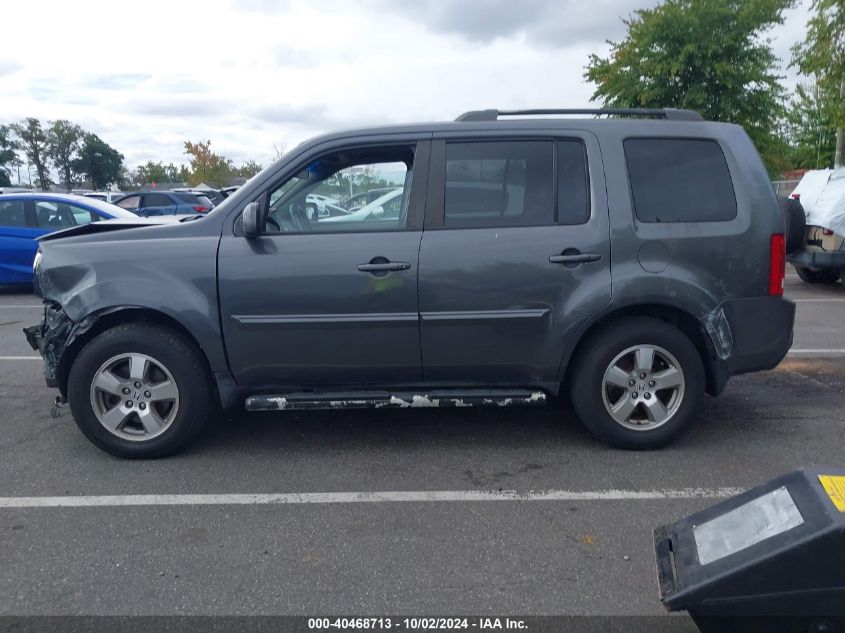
697,265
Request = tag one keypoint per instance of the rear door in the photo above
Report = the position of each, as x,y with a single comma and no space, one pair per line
515,253
17,241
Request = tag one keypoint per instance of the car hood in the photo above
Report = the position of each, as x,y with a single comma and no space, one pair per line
110,225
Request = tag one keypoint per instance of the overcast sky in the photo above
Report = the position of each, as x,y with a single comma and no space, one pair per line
251,74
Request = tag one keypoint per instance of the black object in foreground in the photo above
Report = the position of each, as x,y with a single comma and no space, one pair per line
770,559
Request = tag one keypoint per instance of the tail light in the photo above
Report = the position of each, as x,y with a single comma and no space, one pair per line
777,264
827,231
200,209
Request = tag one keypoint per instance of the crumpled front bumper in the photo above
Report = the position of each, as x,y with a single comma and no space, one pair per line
49,338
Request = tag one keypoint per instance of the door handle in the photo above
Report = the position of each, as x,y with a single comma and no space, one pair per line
383,267
575,258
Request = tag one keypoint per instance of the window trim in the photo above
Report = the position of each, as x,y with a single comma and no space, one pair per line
421,147
435,213
635,216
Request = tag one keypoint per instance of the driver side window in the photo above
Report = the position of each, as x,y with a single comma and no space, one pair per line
364,189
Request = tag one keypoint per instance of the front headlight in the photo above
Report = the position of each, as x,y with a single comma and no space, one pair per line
36,263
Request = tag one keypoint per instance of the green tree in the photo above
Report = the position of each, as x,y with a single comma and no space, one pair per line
706,55
63,142
206,166
33,141
811,130
8,156
822,54
151,172
248,169
101,163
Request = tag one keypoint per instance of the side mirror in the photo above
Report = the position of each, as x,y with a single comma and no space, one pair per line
378,212
252,226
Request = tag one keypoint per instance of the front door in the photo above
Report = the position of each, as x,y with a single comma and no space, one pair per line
515,255
329,300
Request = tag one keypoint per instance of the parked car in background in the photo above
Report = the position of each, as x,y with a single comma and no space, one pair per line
355,202
155,203
820,195
386,207
318,206
105,196
227,191
212,194
25,216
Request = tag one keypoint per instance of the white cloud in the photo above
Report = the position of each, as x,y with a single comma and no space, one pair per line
257,73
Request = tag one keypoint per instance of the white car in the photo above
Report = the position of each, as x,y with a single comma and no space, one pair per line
320,206
386,207
105,196
821,257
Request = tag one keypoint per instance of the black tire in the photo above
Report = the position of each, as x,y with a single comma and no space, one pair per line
795,221
600,350
180,357
821,276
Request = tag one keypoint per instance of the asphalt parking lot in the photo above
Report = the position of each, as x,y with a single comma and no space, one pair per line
574,549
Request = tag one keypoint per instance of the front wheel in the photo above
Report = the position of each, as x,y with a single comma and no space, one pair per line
139,390
820,276
638,383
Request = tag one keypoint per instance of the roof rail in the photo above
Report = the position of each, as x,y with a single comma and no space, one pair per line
670,114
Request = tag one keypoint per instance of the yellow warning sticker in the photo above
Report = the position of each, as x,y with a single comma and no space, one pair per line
834,486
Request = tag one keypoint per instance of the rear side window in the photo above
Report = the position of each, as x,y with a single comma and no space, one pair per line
130,202
573,204
186,197
55,215
491,184
679,180
157,200
12,213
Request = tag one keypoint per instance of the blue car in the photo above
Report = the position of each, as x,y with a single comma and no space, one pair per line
155,203
25,216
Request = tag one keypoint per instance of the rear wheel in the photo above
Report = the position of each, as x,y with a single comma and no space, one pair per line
638,384
139,390
818,276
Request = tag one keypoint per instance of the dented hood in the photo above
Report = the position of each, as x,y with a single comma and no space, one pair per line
112,225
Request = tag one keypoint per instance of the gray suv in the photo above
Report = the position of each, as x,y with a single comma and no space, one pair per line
634,262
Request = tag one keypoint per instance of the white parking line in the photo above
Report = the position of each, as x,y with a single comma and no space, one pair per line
818,300
816,351
1,307
303,498
20,358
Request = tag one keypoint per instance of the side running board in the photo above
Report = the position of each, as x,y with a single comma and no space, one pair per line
398,400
